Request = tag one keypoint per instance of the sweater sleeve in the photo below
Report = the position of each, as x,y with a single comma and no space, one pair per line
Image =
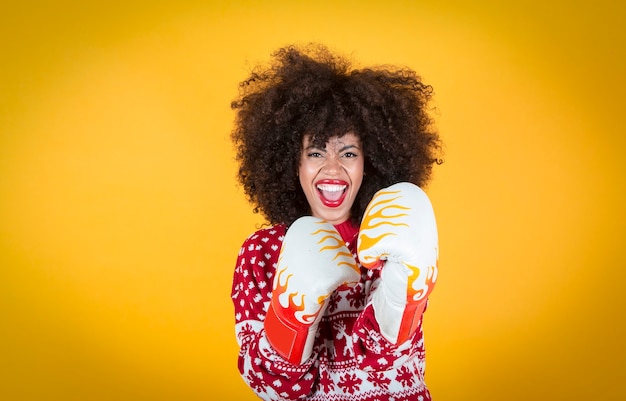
373,351
269,375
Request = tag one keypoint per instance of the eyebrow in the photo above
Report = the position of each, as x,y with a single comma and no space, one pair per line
340,150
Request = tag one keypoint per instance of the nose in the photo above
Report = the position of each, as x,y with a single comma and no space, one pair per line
332,165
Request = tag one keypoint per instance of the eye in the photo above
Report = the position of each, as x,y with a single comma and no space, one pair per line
350,155
314,154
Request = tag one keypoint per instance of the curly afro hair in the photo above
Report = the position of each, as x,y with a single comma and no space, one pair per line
311,91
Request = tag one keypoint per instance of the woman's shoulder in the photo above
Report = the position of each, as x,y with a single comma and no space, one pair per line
270,236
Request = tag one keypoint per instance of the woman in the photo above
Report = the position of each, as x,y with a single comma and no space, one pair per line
329,298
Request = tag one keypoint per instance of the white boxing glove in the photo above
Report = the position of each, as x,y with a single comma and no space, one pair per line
313,262
398,234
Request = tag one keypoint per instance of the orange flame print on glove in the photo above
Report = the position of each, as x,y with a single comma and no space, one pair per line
337,247
330,242
293,308
368,225
418,288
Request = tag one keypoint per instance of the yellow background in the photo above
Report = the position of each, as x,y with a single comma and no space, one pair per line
120,218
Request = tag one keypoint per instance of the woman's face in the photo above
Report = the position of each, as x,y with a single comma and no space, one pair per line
331,177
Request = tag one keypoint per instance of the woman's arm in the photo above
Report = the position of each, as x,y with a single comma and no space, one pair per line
269,375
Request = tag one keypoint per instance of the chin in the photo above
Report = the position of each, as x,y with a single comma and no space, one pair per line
336,218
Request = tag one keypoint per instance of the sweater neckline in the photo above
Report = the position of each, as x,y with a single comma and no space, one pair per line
347,230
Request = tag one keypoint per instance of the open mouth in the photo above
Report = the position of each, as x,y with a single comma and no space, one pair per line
332,192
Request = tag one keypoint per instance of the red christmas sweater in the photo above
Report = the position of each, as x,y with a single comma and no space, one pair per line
351,360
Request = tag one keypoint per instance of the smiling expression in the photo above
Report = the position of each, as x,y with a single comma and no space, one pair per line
331,177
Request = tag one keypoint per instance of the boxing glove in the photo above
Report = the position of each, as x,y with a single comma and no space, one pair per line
313,262
398,235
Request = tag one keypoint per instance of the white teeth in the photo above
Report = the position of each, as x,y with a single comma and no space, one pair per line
331,187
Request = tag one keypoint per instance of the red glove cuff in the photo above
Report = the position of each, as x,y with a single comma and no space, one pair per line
287,338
